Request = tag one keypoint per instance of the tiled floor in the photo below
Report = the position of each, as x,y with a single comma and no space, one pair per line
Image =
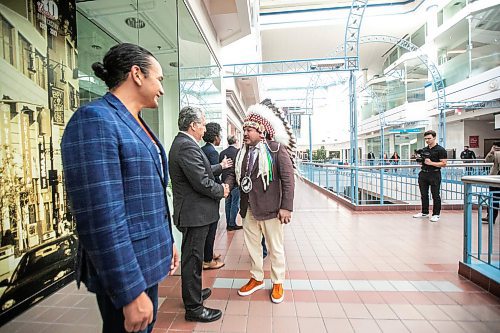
347,272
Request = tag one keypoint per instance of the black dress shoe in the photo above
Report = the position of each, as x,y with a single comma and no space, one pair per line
233,228
205,293
205,316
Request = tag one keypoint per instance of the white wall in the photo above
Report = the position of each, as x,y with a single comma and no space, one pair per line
202,19
455,137
483,129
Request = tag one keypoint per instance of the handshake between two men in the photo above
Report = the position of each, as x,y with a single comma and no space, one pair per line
225,164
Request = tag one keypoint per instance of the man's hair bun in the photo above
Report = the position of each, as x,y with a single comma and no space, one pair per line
100,71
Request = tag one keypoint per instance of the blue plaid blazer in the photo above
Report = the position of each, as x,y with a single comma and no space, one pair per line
116,185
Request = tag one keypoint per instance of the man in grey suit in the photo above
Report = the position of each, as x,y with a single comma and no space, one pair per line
196,206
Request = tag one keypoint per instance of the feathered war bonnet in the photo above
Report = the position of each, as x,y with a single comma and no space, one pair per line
271,123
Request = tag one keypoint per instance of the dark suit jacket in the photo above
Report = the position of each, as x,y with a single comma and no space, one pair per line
213,157
196,194
280,192
116,184
231,153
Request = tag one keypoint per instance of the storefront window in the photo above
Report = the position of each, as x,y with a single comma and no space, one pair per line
24,55
6,42
69,52
41,77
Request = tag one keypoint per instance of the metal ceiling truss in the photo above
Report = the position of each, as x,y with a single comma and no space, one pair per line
282,67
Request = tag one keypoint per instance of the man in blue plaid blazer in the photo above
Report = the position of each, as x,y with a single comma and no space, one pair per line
116,175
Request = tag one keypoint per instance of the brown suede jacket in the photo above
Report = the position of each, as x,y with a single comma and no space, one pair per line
279,194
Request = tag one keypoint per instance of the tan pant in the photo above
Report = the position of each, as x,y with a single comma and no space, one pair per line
273,232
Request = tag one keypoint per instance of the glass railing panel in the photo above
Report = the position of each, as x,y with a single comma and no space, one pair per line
386,182
485,58
455,70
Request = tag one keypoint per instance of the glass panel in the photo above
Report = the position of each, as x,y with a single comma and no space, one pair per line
485,30
93,43
35,215
440,18
200,77
153,25
418,37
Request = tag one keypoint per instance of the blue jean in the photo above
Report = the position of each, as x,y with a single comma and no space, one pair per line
264,247
232,206
113,319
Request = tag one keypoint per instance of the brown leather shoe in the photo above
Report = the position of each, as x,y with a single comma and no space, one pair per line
278,294
216,256
251,287
213,264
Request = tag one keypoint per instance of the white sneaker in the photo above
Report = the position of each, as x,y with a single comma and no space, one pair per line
435,218
416,216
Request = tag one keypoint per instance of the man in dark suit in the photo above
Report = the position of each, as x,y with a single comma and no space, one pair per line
212,138
115,171
196,206
233,200
264,171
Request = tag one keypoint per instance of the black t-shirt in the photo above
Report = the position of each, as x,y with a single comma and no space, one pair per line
467,155
437,153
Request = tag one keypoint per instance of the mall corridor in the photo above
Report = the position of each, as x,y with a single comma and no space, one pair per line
347,272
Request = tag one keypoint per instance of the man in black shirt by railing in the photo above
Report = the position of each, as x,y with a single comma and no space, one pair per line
467,154
434,157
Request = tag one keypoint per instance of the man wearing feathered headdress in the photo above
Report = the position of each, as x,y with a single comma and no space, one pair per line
264,172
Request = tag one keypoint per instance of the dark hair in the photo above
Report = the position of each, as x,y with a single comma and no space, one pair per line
466,146
496,143
188,115
119,60
430,132
231,140
213,130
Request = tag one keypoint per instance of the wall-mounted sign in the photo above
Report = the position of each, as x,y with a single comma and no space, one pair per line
26,146
58,16
43,166
404,130
57,105
473,141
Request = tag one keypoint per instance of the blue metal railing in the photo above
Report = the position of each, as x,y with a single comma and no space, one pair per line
482,237
388,184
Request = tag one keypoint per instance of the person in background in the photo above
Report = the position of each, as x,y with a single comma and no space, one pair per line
232,205
385,159
395,158
494,156
371,158
434,159
212,137
468,154
116,175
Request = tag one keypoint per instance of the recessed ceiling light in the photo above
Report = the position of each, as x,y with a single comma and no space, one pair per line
135,22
